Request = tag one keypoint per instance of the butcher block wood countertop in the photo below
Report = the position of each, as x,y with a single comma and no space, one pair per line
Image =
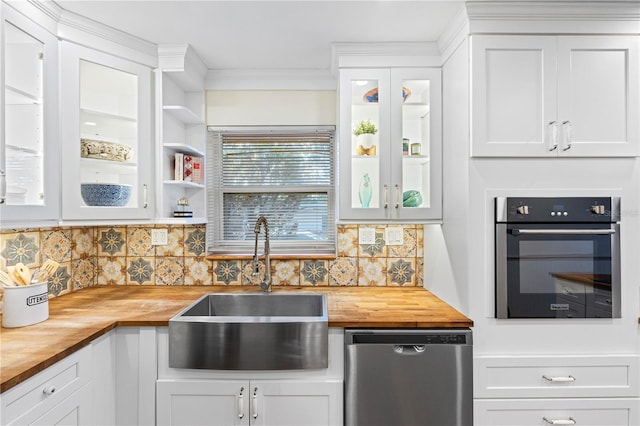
78,318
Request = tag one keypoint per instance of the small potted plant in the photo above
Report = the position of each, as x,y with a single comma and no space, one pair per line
365,133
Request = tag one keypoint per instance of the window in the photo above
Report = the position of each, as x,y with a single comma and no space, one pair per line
283,173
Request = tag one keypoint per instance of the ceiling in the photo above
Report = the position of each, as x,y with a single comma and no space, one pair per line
270,35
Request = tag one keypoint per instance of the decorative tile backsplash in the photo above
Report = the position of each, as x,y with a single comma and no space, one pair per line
124,255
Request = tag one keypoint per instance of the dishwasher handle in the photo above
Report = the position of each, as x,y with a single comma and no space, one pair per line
409,349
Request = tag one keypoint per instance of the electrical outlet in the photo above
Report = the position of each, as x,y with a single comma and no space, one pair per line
159,237
394,236
366,236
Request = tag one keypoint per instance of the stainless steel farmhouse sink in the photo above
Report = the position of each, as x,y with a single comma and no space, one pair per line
251,331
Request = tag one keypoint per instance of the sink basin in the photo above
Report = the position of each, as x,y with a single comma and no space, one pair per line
251,331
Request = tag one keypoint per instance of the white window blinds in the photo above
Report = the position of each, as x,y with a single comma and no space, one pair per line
284,174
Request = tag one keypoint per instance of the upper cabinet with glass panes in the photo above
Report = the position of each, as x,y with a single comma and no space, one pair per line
29,141
390,136
107,134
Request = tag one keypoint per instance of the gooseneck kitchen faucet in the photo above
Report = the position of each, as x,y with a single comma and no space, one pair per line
265,284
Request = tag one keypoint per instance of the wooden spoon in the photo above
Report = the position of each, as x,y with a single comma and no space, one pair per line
6,279
22,274
48,268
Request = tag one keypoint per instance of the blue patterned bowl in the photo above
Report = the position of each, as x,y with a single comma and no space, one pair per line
105,194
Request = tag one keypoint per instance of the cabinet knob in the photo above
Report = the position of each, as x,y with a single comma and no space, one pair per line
49,390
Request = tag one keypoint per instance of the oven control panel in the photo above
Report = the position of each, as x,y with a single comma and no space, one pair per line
557,209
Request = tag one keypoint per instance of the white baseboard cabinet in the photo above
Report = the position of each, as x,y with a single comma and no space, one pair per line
557,390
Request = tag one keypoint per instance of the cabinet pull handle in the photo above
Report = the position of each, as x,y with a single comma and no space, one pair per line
386,196
568,134
552,127
398,196
568,421
3,186
146,200
559,379
241,404
254,404
49,390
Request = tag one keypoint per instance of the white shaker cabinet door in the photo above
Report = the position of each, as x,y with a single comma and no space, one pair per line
513,95
202,402
296,403
598,95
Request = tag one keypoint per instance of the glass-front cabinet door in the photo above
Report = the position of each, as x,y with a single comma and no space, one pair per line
29,139
390,144
106,131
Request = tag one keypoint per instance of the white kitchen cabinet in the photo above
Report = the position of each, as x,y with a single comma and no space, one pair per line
182,130
107,104
524,390
404,157
254,402
538,412
279,397
29,151
537,96
60,394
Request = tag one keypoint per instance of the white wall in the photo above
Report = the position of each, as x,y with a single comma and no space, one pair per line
271,107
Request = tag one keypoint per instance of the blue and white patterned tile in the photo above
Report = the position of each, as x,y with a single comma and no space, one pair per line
169,271
59,283
227,272
112,270
285,272
401,272
175,242
83,242
408,247
112,241
420,272
197,271
139,241
347,240
378,249
22,247
140,271
343,271
314,272
248,276
56,245
372,271
195,241
84,273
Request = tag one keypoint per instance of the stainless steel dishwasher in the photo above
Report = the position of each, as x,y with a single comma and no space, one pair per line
408,377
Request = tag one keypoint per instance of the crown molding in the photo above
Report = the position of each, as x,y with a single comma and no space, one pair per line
407,54
78,29
183,64
583,16
455,33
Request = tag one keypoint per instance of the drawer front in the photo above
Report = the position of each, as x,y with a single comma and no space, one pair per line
541,412
48,388
546,377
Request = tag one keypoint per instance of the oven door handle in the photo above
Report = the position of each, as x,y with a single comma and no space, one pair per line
517,231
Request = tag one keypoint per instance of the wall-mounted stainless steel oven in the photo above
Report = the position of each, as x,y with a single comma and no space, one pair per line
557,257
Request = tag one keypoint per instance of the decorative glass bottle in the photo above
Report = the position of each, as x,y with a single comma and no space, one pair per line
365,191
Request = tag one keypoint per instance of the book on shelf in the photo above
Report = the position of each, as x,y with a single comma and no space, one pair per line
178,168
193,169
182,214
